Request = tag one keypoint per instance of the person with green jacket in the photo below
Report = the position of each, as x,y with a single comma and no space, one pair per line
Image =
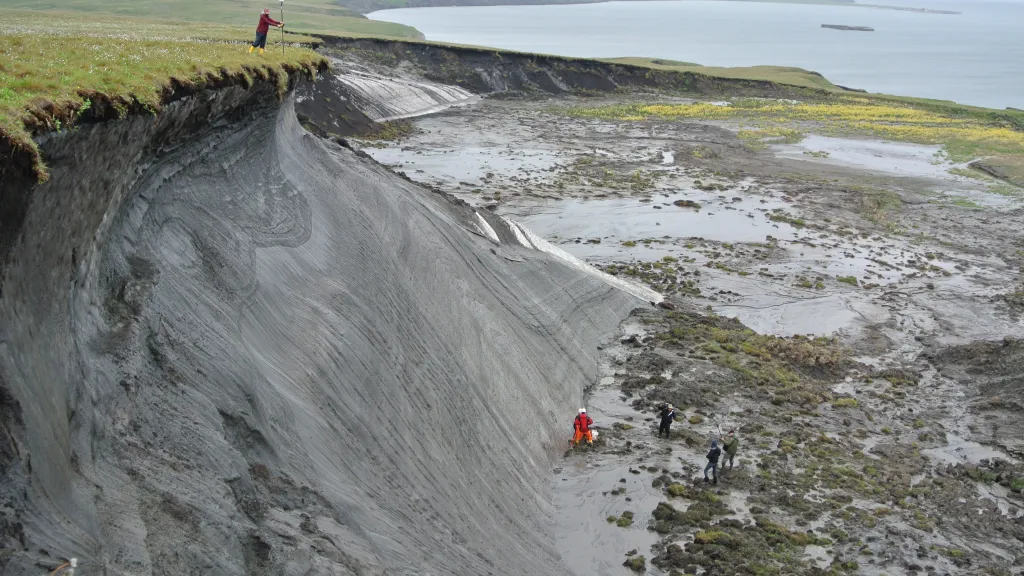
730,447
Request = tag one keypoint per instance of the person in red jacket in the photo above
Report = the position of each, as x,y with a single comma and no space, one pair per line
261,30
582,426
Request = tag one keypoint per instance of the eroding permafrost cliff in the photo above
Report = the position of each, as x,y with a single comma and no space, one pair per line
230,347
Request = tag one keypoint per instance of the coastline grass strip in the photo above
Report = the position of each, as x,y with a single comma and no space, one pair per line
965,134
779,74
51,67
316,16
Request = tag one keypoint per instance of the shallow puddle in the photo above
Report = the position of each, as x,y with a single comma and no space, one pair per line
819,555
588,543
452,168
602,225
960,451
869,155
786,315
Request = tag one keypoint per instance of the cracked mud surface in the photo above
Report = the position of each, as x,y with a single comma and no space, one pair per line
850,306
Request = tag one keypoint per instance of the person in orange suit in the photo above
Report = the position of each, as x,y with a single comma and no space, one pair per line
582,426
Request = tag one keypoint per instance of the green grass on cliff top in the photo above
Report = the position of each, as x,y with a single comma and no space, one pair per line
316,16
778,74
53,65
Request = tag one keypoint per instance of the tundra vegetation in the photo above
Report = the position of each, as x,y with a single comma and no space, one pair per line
965,133
55,68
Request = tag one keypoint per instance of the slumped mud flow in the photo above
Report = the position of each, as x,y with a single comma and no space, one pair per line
233,343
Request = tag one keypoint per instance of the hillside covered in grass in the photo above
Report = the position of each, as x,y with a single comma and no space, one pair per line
366,6
965,133
779,74
325,16
55,68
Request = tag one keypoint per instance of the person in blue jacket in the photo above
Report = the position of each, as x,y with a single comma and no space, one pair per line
713,455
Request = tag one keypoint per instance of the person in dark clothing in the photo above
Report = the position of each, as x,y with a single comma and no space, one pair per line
713,456
731,445
261,30
668,414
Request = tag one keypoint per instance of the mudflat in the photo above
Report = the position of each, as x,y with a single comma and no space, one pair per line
851,305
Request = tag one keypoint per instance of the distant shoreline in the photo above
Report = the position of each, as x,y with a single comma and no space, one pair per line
907,9
370,6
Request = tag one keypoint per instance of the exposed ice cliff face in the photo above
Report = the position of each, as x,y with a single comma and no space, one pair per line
384,99
230,347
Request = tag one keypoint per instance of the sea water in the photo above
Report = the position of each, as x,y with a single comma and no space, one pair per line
975,57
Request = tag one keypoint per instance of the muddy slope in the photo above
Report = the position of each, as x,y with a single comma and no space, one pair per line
230,347
483,71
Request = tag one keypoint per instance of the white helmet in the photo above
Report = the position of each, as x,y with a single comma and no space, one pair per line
583,410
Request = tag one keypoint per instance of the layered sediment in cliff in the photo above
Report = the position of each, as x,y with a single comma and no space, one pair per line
228,346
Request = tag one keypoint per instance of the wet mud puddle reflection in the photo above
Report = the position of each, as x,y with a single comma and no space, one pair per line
871,156
588,542
605,499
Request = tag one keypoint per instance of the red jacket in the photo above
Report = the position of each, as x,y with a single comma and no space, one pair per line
265,23
583,422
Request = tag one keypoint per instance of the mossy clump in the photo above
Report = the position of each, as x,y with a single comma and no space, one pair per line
625,520
636,563
898,376
686,204
1014,299
851,280
731,547
392,131
710,537
696,419
665,276
668,520
787,219
680,491
845,403
794,370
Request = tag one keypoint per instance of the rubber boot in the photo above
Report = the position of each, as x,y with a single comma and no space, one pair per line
261,51
251,48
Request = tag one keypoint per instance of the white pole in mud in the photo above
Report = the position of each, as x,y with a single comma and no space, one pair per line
282,28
